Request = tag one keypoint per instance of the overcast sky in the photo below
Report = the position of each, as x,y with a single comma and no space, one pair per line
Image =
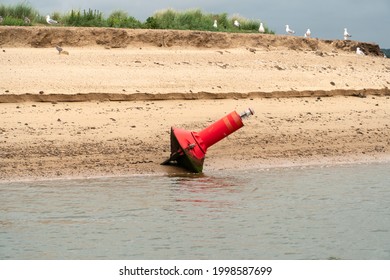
367,21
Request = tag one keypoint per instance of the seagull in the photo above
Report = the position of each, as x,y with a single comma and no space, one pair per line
59,49
27,20
346,34
215,24
50,21
359,51
261,28
236,24
288,30
307,34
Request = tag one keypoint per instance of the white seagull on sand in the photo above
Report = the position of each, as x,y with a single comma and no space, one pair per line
346,34
261,28
50,21
359,51
215,24
307,34
288,30
236,23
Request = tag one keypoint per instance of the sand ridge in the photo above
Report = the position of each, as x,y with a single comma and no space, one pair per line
48,36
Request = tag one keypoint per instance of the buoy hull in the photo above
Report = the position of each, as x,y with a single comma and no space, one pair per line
188,148
185,151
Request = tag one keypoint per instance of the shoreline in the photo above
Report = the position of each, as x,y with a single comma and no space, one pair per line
179,172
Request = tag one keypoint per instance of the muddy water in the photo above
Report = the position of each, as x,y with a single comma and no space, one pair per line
322,212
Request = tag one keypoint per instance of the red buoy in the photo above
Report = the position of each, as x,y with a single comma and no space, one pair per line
188,148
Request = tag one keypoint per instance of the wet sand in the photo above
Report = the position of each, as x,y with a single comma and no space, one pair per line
45,140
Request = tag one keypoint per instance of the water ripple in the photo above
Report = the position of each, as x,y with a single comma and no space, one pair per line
334,212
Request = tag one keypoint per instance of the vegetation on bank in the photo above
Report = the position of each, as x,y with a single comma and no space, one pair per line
16,14
23,14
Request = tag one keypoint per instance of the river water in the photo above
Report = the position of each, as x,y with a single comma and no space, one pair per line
317,212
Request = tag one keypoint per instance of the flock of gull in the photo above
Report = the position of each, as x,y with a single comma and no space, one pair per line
290,31
236,23
308,32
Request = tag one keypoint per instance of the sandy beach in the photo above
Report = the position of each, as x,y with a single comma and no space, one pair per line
107,107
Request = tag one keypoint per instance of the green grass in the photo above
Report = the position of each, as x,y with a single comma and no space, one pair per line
15,14
120,19
86,18
198,20
194,19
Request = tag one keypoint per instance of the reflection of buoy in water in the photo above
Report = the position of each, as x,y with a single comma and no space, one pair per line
188,148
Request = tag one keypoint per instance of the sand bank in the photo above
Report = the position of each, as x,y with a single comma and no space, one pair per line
314,103
45,140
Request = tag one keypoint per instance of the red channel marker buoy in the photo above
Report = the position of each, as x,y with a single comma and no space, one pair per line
188,148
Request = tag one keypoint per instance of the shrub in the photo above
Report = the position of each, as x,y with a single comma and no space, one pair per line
121,19
13,21
86,18
151,22
15,14
193,19
197,20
